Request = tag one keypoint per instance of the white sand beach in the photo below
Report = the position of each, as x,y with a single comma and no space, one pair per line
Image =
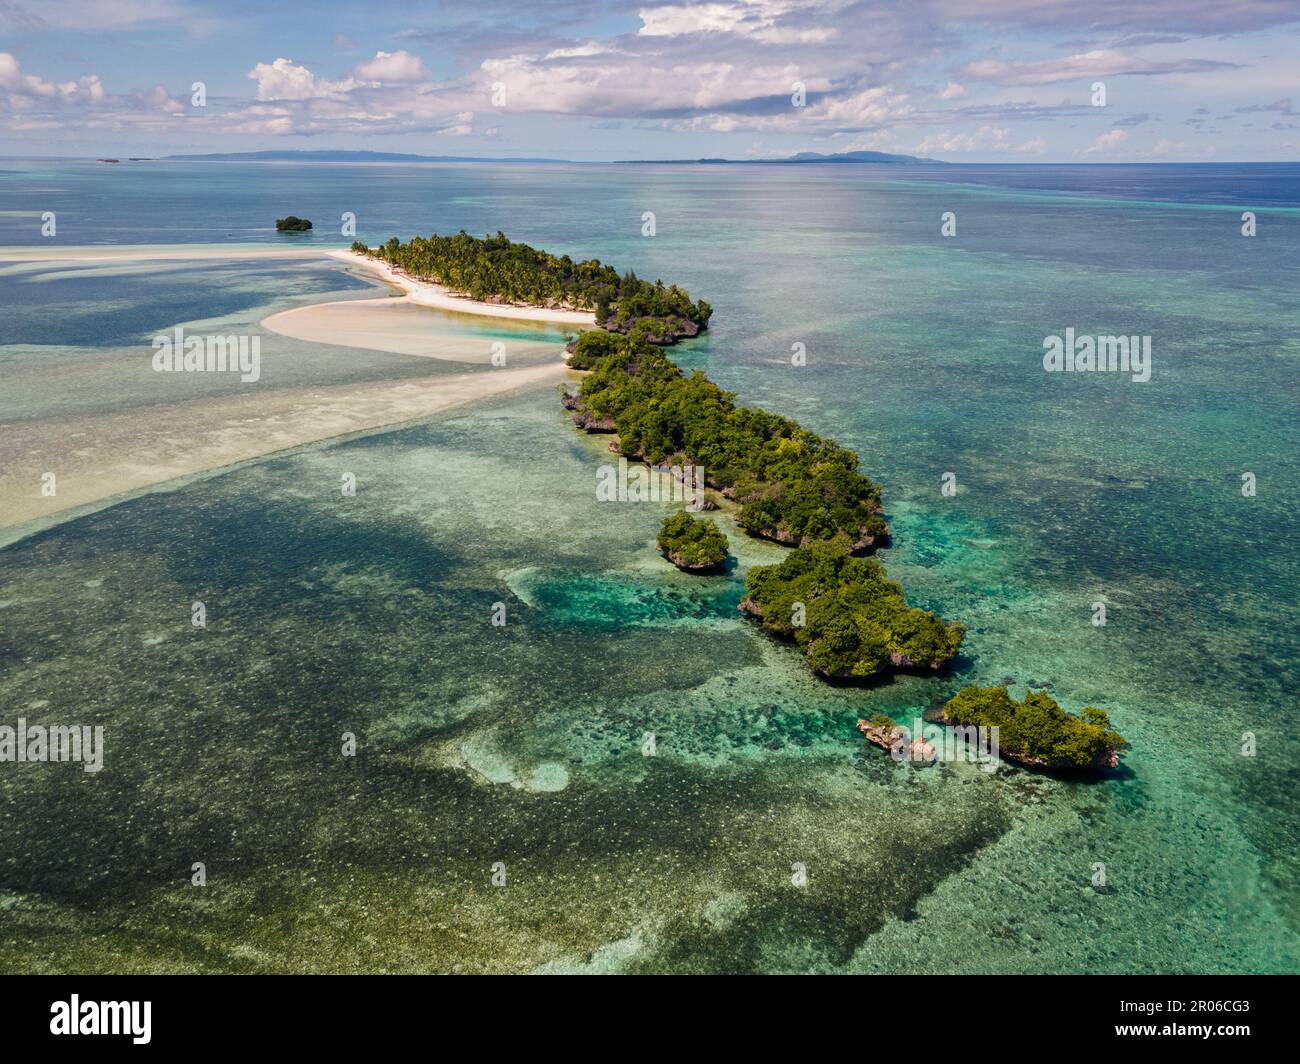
428,294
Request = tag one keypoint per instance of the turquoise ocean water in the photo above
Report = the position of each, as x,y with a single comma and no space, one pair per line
523,746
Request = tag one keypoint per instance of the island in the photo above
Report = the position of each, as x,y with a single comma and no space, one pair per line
495,269
790,485
848,617
693,544
1038,732
793,486
292,224
784,482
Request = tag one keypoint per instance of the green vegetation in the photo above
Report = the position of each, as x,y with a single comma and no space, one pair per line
496,268
1038,731
590,347
292,224
692,543
793,485
855,621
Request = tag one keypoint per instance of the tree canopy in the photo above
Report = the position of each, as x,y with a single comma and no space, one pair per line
1038,730
495,267
692,542
849,618
793,485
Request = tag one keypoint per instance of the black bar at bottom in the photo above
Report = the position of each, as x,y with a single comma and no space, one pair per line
338,1013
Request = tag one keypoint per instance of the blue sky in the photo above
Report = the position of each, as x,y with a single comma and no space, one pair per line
963,80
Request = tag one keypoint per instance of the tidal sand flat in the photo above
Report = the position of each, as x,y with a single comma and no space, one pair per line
154,253
404,327
97,458
135,428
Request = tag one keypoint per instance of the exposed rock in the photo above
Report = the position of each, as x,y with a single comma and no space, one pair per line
688,567
918,751
679,329
865,544
868,541
588,422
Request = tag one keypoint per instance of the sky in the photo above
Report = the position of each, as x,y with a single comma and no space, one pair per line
959,80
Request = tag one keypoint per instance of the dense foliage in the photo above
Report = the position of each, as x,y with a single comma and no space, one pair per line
292,224
793,485
692,542
1038,729
855,620
497,268
591,346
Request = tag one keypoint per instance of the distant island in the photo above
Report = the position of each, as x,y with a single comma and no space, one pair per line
805,157
292,224
326,156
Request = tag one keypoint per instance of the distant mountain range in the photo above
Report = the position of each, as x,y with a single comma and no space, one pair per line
805,157
814,157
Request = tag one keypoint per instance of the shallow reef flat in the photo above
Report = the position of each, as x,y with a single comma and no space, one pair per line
525,745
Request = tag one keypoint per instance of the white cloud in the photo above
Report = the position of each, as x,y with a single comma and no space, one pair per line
760,20
985,139
1098,63
391,67
1104,143
673,20
1165,149
25,88
90,14
286,80
589,48
953,91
